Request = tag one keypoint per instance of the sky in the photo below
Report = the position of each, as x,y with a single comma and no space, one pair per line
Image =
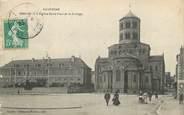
89,35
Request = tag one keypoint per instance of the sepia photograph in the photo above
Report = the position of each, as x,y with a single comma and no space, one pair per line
91,57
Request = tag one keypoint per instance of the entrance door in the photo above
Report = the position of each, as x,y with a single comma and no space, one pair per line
125,82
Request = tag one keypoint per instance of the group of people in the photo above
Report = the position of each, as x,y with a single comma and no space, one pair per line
115,99
143,96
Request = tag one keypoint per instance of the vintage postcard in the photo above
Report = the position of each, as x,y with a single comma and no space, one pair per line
91,57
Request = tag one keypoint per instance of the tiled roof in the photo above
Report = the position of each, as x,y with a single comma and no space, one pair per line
66,61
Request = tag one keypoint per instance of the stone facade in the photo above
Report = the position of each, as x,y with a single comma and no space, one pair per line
129,66
62,71
180,69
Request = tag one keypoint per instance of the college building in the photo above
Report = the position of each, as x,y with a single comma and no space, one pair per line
59,72
129,66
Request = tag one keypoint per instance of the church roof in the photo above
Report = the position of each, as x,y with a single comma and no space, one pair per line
157,58
129,15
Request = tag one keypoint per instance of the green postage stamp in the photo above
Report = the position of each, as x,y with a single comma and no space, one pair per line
16,33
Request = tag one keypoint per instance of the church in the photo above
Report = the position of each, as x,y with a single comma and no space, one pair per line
129,66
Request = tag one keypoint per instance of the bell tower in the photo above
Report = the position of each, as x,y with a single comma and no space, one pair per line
129,29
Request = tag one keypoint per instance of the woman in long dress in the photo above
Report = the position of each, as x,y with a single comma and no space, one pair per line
116,98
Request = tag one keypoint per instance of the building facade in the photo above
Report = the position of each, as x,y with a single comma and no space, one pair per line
46,72
129,66
180,69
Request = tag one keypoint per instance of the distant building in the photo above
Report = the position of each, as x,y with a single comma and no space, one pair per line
180,68
129,66
168,79
46,72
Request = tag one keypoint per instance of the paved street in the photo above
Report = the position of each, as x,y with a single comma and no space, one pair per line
86,104
171,107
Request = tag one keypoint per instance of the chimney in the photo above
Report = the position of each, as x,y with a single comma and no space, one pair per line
73,59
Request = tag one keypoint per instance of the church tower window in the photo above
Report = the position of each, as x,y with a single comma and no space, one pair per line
121,26
128,24
134,24
135,35
127,35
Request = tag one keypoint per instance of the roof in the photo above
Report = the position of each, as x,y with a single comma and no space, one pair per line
66,61
102,59
157,58
130,45
129,15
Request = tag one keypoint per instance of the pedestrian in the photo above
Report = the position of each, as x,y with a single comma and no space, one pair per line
181,98
156,95
116,98
150,96
107,97
145,97
18,91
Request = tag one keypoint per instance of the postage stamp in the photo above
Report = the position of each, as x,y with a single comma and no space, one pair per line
30,12
14,31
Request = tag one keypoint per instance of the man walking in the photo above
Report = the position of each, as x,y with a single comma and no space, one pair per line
181,98
107,97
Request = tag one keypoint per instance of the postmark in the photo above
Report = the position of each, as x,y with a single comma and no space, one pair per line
29,12
14,30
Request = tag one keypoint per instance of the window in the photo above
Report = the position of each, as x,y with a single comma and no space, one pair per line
150,68
19,73
135,78
127,24
156,68
127,35
39,65
17,65
104,78
121,26
118,75
135,35
121,36
100,78
147,79
134,24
